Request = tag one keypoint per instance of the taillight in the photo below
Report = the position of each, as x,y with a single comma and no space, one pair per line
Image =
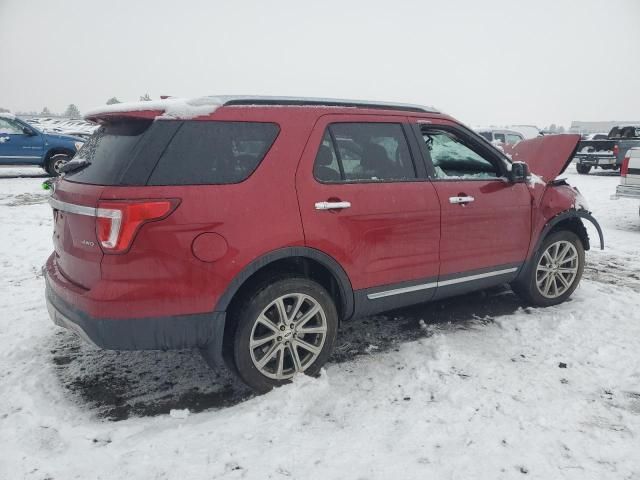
624,169
616,150
118,221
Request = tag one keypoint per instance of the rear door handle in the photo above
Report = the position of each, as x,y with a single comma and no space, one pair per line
461,200
332,205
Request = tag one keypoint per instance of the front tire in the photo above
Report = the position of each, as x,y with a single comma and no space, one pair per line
555,272
583,169
286,327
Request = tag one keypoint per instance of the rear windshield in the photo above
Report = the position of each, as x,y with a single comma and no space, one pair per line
174,152
109,150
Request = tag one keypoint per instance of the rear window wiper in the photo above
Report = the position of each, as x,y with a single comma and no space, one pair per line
74,165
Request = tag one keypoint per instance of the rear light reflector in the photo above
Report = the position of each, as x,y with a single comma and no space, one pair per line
624,169
118,221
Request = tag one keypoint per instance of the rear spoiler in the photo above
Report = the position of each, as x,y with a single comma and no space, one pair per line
169,108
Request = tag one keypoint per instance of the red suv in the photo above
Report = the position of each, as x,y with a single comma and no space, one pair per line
251,227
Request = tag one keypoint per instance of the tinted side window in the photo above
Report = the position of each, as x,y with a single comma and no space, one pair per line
326,168
211,152
453,159
352,152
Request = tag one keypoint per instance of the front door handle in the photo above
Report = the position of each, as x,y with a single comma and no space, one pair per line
461,200
332,205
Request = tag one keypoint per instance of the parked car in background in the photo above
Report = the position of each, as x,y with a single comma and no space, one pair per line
74,127
629,176
23,144
501,136
609,153
527,131
251,227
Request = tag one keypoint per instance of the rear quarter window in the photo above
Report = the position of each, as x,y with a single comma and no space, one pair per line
213,152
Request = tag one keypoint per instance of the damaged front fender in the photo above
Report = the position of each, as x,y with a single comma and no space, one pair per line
568,215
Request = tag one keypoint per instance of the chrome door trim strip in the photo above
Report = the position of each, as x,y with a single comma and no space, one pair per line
72,207
478,276
19,156
398,291
426,286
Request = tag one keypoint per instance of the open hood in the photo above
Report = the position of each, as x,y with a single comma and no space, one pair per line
547,156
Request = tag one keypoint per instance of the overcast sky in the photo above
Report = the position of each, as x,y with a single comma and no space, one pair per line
485,62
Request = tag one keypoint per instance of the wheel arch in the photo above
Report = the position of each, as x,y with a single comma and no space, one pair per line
56,151
571,220
309,262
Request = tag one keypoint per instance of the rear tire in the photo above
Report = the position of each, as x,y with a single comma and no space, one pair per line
285,327
555,272
583,169
55,162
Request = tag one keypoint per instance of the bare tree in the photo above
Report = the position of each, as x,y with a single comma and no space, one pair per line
72,111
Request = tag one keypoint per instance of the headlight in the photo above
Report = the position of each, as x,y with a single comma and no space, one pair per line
78,145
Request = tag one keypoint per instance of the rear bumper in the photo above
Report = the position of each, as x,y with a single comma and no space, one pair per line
154,333
627,191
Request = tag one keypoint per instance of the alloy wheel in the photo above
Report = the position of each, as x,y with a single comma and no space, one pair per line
288,336
557,269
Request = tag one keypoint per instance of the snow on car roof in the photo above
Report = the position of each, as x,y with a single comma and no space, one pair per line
171,107
7,115
195,107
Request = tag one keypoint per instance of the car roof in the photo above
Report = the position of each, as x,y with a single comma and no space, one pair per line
181,108
326,102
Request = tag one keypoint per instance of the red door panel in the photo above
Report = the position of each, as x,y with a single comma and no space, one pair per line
494,229
389,234
486,222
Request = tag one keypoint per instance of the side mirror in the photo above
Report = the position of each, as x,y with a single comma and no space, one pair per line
28,131
519,172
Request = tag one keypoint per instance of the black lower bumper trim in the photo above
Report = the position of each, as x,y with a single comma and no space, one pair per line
157,333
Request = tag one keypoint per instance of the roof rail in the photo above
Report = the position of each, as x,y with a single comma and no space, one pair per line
325,102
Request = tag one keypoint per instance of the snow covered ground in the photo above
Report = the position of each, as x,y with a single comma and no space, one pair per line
478,387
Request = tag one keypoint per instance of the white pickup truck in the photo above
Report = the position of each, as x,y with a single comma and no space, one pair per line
629,176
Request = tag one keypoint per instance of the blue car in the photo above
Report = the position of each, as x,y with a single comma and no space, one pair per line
23,144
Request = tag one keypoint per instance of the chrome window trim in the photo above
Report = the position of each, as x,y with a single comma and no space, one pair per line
72,207
453,281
